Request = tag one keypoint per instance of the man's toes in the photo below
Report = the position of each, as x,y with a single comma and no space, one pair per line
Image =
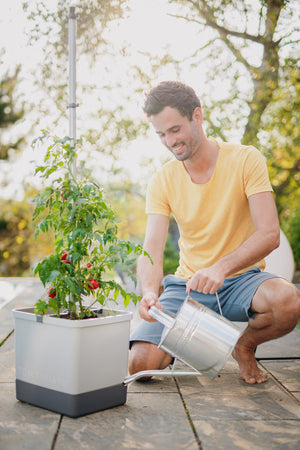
258,378
250,380
263,378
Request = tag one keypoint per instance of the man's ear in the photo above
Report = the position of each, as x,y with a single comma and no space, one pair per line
197,115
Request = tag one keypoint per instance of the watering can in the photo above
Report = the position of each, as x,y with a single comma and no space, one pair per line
197,336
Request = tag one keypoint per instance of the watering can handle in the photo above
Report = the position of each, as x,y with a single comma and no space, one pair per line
161,316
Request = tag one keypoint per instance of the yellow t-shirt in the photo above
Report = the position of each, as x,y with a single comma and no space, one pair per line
213,218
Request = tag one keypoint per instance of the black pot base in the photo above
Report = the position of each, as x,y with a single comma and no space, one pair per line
69,404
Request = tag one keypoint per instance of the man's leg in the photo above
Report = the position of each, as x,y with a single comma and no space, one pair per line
144,353
277,307
147,356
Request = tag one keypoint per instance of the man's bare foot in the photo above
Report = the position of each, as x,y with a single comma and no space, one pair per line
248,366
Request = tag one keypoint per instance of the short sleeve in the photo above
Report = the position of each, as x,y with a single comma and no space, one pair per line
255,174
156,197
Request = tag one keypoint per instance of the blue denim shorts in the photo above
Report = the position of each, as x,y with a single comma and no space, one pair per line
235,297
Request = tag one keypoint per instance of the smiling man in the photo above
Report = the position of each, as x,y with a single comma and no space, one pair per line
221,198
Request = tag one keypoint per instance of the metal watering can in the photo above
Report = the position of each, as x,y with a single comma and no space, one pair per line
197,336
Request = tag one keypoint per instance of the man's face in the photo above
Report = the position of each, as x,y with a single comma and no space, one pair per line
180,135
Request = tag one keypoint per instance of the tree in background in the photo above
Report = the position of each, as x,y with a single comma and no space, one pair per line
129,202
50,28
102,120
281,123
245,45
10,114
15,234
253,45
14,216
110,81
280,135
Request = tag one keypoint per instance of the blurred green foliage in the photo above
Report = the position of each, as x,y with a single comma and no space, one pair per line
262,98
9,113
291,228
15,237
171,256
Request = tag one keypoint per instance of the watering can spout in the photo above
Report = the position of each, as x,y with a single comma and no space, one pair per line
161,316
160,373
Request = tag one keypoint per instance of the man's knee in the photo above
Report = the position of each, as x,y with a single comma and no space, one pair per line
147,356
282,299
292,298
287,299
138,356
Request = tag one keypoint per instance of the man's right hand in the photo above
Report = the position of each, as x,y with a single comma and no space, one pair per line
148,300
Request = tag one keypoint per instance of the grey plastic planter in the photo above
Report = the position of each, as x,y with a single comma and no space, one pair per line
72,367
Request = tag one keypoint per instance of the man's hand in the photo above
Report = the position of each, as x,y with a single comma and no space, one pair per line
148,300
207,280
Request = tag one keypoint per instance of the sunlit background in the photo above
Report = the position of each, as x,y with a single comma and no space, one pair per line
249,94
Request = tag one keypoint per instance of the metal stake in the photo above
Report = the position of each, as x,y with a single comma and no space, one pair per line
72,80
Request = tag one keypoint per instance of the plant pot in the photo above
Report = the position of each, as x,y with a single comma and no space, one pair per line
72,367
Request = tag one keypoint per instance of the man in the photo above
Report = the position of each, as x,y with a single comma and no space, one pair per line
222,200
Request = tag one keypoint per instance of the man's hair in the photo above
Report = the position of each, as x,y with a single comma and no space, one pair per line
173,94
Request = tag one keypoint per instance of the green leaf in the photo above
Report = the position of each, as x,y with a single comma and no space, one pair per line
41,307
70,283
127,298
54,274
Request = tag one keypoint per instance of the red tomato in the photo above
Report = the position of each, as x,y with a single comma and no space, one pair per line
52,293
64,258
93,284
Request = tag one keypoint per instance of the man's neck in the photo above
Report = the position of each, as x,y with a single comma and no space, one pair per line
201,167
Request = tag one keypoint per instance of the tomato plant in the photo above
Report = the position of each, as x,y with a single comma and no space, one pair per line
86,238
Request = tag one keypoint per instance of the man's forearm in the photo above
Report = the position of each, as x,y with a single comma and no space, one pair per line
149,275
265,239
255,248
